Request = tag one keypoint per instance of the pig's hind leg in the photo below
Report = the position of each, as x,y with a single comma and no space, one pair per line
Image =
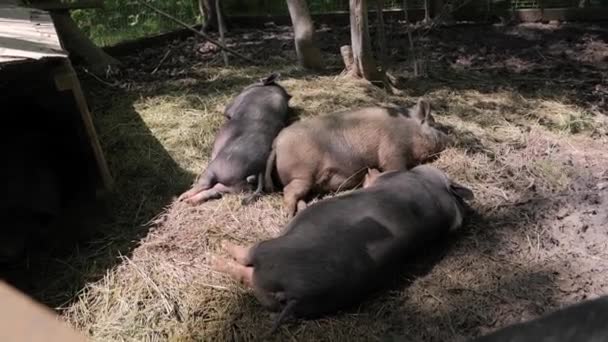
240,273
258,191
214,193
294,194
241,254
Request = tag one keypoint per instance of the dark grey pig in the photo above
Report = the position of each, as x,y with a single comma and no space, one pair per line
331,152
583,322
338,250
243,143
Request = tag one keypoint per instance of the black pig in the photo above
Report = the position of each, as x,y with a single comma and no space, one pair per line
243,143
338,250
582,322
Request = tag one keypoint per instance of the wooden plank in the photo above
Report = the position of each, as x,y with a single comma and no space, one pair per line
561,14
66,79
80,4
22,319
27,33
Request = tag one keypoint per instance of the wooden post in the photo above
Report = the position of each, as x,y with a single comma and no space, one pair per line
364,62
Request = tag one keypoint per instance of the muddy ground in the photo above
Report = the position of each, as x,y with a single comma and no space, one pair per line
526,104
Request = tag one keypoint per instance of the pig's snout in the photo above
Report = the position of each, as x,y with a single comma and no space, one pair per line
444,134
447,140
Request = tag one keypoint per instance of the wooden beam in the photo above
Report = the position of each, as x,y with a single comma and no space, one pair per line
66,6
66,79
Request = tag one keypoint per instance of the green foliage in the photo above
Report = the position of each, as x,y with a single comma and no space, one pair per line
123,20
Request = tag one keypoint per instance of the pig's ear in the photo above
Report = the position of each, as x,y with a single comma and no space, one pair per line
228,109
422,111
461,191
227,114
270,79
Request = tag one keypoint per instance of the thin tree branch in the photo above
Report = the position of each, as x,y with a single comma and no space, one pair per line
205,36
221,28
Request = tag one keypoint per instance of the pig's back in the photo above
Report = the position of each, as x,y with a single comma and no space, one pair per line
261,102
394,203
346,141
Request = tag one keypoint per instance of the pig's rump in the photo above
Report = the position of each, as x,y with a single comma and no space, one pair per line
321,277
244,153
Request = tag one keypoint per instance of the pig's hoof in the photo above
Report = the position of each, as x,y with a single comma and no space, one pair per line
225,245
188,195
301,205
291,214
250,199
215,263
191,201
185,196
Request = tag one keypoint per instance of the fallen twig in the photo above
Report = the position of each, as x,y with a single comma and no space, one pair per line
97,78
206,37
161,61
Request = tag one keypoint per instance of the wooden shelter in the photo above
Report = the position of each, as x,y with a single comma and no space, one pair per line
51,157
34,67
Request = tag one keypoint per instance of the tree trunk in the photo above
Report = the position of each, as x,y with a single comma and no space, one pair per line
381,34
210,15
364,64
222,29
77,43
427,11
411,51
309,55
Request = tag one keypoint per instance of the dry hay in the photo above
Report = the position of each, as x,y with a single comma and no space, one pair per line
495,274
